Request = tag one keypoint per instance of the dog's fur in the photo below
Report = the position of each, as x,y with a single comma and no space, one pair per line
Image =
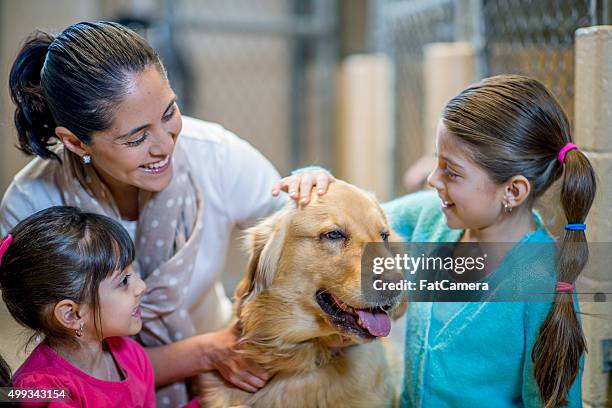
284,330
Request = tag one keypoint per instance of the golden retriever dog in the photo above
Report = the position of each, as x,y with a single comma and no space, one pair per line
301,297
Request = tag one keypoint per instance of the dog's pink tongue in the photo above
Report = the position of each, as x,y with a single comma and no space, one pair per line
376,322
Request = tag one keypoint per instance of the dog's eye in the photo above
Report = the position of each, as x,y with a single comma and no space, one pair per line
384,235
333,235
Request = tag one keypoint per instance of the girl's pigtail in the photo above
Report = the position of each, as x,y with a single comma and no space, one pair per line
33,119
560,342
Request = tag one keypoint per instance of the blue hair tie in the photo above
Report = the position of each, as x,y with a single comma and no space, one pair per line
575,227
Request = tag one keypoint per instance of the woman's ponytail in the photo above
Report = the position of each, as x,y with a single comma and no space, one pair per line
560,342
33,119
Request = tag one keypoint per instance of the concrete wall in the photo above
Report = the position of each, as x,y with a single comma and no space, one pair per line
593,121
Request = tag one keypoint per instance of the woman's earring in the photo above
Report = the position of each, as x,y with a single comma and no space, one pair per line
86,159
79,332
507,207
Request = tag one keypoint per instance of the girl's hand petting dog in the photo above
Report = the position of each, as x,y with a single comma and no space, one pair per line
299,185
234,368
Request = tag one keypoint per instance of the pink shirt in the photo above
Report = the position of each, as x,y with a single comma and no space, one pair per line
44,368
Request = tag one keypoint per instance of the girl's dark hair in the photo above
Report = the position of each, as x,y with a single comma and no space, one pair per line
74,80
5,380
5,374
512,125
56,254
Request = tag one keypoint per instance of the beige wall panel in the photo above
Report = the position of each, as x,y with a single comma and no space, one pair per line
593,107
596,389
364,122
448,69
599,220
593,119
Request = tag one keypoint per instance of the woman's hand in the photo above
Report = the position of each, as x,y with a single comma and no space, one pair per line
300,185
222,355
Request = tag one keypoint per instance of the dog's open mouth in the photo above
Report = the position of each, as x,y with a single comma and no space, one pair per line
366,323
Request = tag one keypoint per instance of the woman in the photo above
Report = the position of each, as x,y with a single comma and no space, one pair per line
102,92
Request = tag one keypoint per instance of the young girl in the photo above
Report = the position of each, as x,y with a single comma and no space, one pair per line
500,144
66,275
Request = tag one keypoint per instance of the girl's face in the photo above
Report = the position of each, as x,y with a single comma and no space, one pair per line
469,198
137,149
120,296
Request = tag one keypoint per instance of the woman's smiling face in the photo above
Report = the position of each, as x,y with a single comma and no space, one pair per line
137,148
469,198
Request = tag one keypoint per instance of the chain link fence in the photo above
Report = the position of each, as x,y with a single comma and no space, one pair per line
401,30
536,38
528,37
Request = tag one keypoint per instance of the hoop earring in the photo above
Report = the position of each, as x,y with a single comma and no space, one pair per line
79,332
507,208
86,159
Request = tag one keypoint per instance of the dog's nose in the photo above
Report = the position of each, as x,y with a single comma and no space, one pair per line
381,282
390,279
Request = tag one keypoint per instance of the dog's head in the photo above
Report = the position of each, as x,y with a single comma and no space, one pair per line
303,280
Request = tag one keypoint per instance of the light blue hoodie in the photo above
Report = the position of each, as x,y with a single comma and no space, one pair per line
469,354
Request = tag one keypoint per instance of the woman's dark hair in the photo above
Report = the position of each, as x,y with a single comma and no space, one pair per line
512,125
74,80
56,254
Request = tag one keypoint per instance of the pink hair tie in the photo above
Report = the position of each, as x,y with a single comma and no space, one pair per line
564,287
6,242
564,150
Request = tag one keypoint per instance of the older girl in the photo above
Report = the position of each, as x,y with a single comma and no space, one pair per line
500,145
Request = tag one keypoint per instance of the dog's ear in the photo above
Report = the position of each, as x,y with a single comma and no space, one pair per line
266,241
